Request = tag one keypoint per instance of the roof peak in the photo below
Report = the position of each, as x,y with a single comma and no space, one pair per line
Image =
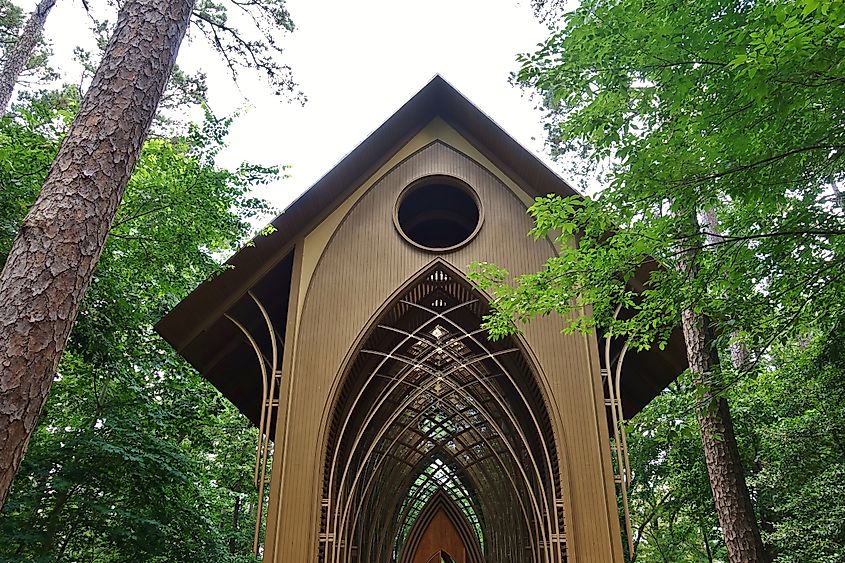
437,98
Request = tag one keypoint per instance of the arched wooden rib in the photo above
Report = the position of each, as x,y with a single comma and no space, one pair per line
388,423
493,513
554,525
502,405
351,409
496,453
419,365
266,418
441,500
620,440
261,429
268,390
339,515
624,461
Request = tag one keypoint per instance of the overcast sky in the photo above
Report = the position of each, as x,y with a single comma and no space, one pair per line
357,63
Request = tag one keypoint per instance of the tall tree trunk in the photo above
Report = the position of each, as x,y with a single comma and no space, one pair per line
737,348
236,514
53,520
721,453
707,550
21,52
54,254
741,362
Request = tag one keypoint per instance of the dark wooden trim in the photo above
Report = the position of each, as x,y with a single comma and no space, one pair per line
438,98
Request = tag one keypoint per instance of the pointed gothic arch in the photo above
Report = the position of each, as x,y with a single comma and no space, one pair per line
436,477
441,529
321,333
425,383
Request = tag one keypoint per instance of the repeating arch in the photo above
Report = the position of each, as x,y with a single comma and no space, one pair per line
462,544
424,387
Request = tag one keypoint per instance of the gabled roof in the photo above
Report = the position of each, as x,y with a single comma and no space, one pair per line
437,99
197,326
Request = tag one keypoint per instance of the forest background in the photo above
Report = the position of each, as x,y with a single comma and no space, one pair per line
728,115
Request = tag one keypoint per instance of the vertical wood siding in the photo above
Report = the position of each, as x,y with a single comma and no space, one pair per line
362,265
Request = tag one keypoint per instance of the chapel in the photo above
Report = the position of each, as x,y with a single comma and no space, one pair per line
392,429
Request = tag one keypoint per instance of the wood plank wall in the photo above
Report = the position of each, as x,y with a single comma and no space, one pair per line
362,265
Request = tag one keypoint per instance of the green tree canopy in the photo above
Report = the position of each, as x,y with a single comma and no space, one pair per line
135,456
718,129
724,106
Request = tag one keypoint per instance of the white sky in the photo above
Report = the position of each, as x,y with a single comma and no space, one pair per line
357,63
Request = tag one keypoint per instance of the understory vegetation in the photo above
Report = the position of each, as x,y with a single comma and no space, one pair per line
136,457
789,419
717,129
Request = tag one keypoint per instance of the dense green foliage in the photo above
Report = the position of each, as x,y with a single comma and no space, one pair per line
794,417
789,422
718,128
686,112
136,458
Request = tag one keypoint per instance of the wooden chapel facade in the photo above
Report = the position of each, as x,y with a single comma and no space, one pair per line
351,337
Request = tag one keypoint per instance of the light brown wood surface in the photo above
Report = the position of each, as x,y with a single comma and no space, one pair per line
364,262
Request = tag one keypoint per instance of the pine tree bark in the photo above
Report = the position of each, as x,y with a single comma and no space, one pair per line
54,254
721,453
21,51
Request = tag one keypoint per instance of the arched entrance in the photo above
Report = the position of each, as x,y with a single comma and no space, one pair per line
440,531
440,443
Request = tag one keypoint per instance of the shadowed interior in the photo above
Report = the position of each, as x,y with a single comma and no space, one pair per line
431,409
438,215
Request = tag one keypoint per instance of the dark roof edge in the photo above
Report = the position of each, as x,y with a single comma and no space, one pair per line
211,299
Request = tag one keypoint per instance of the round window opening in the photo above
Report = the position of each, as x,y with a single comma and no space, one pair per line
438,214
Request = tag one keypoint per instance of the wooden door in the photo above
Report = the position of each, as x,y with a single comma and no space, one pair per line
440,542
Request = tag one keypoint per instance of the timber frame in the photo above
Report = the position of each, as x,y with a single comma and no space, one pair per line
389,417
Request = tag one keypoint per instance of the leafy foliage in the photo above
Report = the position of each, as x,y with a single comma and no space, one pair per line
135,457
671,508
686,112
789,423
717,127
794,415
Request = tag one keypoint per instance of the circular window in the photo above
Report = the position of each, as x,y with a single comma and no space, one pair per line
438,213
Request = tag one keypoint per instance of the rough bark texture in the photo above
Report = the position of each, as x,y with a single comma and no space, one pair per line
53,257
20,53
724,467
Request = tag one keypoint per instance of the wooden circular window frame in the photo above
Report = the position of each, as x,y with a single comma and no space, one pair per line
439,179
